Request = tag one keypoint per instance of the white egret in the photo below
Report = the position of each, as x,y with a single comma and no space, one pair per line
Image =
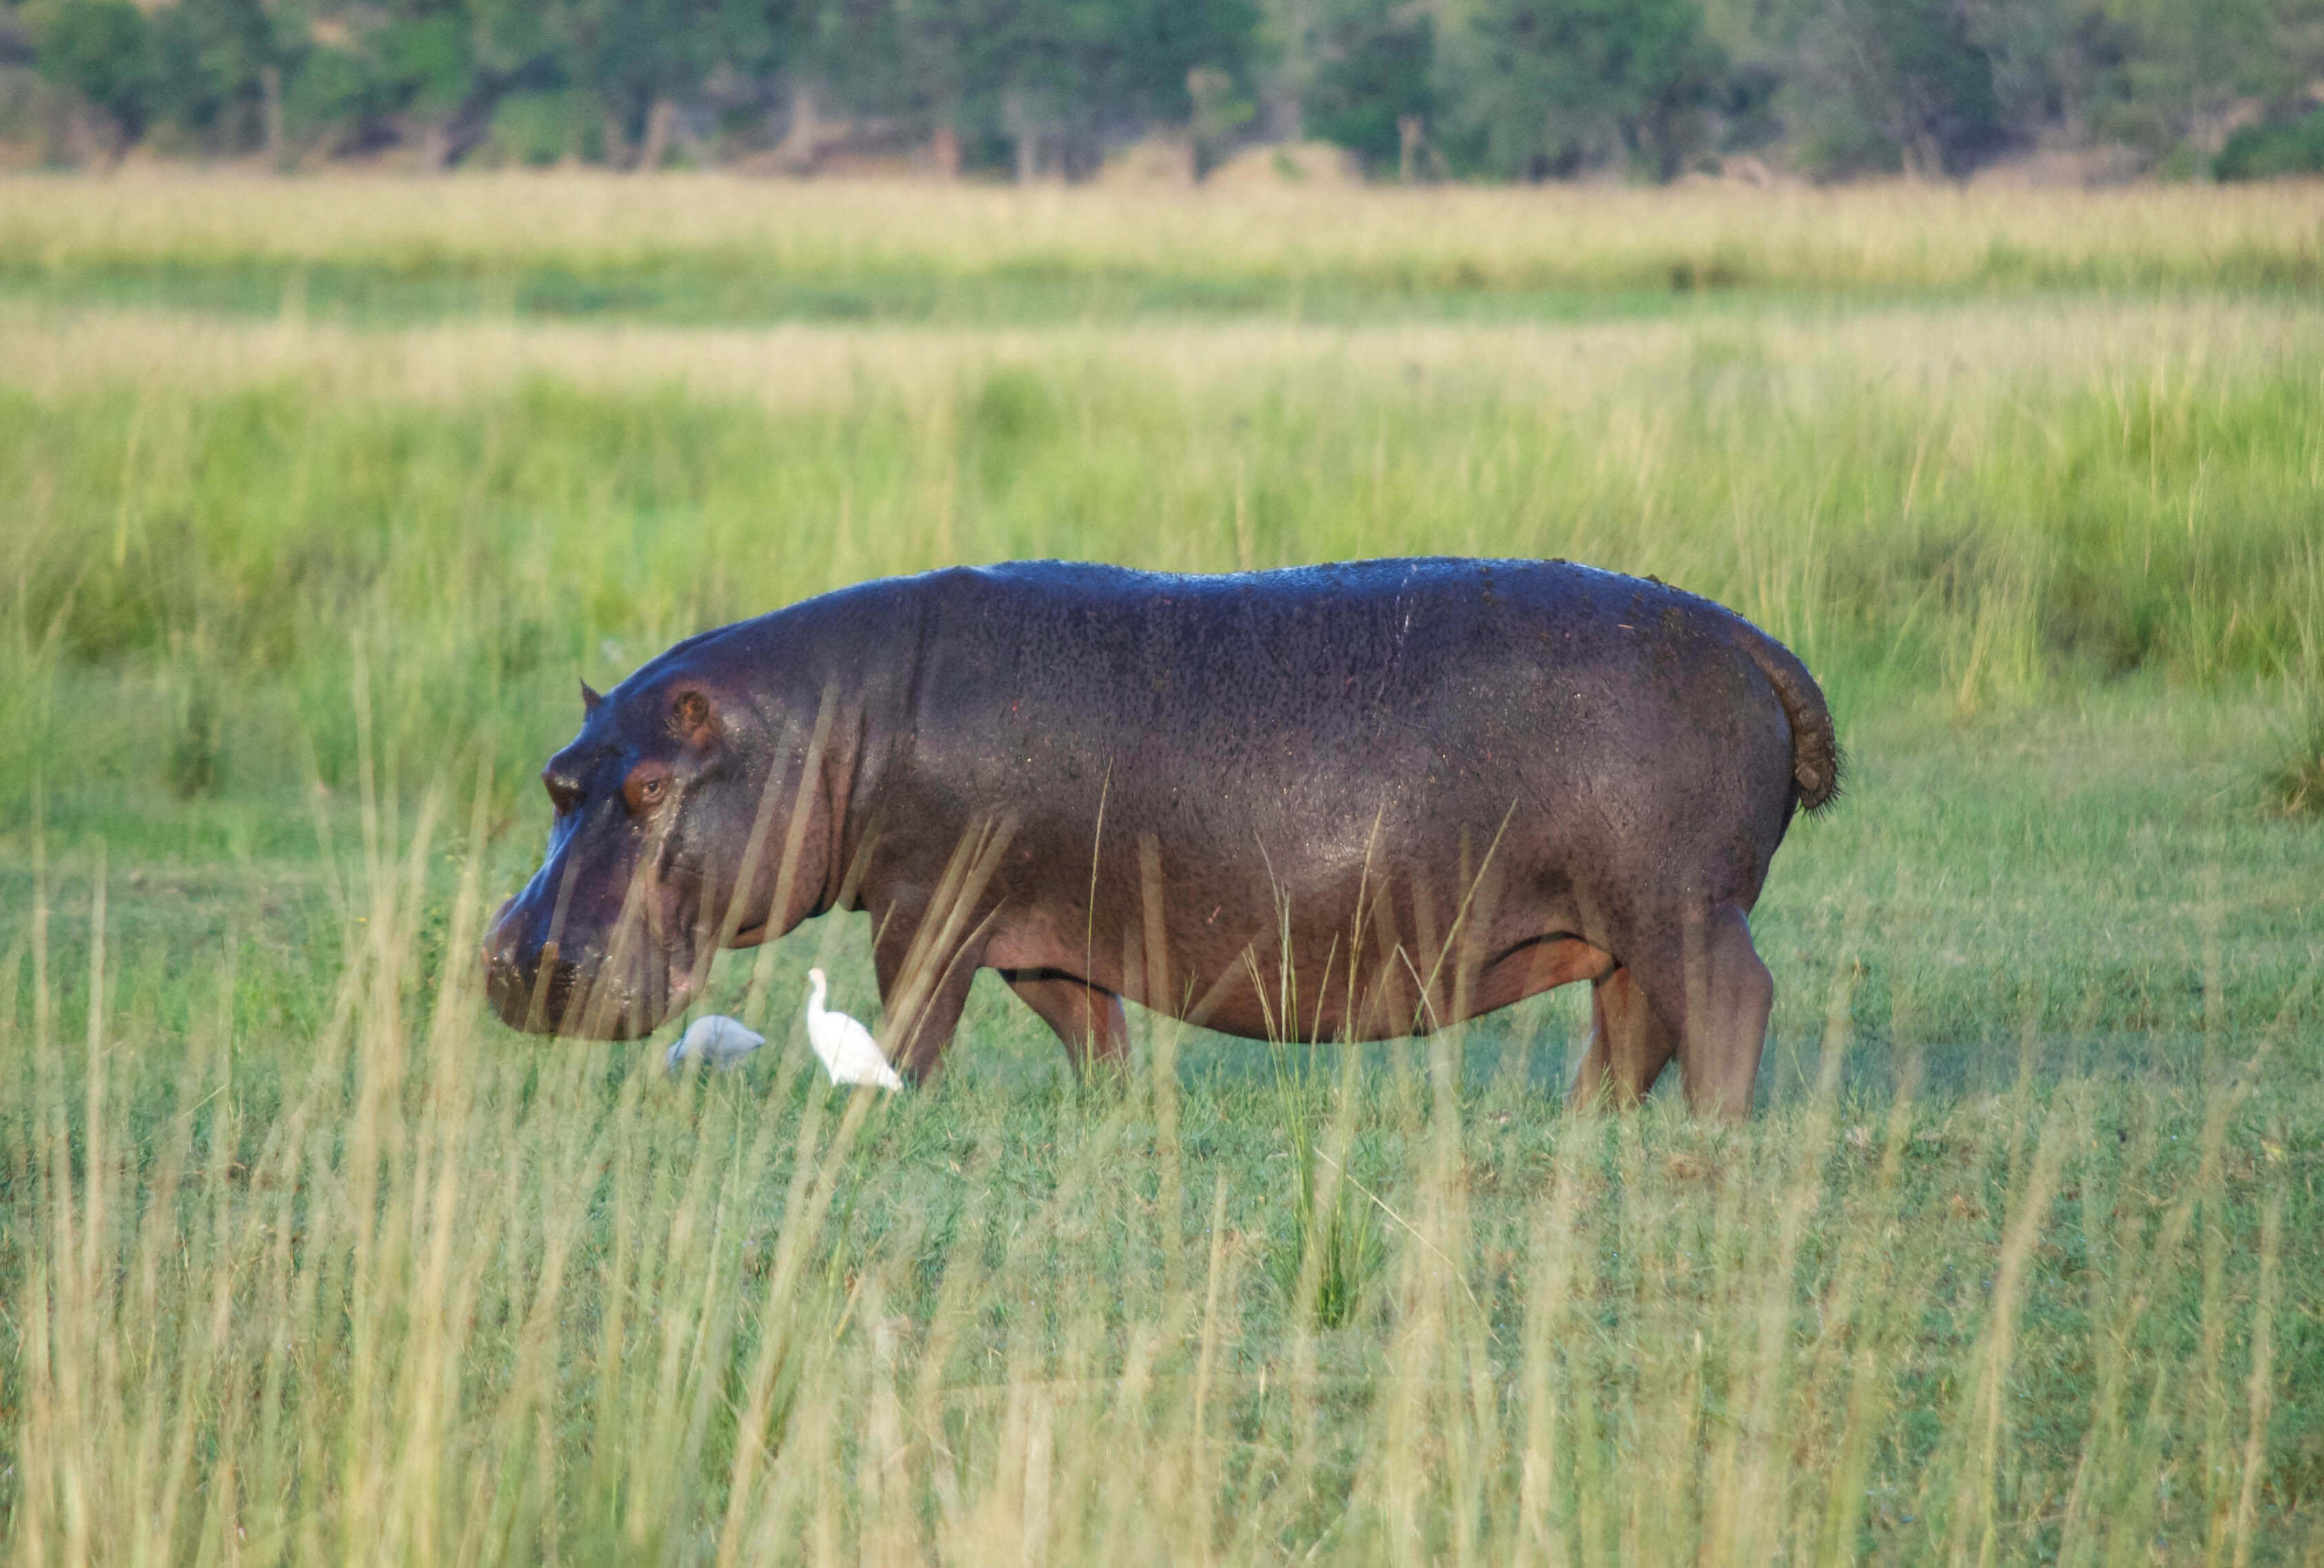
849,1053
716,1040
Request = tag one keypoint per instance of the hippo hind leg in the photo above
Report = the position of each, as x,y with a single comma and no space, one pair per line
1629,1046
1087,1018
1710,992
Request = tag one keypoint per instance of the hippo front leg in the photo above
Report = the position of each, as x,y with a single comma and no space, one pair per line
923,990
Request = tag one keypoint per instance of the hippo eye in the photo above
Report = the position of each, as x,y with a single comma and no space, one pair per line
645,788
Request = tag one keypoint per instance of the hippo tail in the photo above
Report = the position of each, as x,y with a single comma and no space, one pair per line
1816,760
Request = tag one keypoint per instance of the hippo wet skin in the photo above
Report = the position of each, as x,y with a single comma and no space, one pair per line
1350,802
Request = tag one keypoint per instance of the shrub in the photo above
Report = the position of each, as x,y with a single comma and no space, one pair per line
544,128
2268,150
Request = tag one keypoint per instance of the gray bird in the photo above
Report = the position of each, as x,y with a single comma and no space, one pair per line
716,1041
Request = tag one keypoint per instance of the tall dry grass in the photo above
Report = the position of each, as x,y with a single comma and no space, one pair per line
1904,235
437,1302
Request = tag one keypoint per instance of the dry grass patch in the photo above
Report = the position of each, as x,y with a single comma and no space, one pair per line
1453,237
2001,351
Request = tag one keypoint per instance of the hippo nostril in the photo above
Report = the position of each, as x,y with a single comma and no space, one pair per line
564,789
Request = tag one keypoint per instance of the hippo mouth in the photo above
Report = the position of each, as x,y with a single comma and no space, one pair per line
545,992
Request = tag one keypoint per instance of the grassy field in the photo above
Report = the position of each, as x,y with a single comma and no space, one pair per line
715,249
312,517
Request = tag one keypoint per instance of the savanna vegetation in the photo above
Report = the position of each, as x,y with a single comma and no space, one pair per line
1416,90
711,250
313,513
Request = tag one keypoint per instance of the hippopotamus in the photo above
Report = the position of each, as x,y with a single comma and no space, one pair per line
1345,802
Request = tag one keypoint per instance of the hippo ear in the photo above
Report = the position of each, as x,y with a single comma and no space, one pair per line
589,699
690,716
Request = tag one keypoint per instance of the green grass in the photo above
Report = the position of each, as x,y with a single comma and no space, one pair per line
1992,543
717,249
392,1284
2297,777
304,1258
687,290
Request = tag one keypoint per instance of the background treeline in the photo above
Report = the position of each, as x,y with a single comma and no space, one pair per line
1413,89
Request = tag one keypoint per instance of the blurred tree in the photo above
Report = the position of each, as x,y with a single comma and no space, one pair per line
426,66
100,50
1375,65
1551,87
857,49
1928,65
644,59
1038,85
1508,87
1895,85
1219,110
2182,83
217,76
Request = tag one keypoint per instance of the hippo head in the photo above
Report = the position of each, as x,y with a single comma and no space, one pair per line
656,801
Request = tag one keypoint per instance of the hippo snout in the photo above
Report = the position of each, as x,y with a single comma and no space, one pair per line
564,988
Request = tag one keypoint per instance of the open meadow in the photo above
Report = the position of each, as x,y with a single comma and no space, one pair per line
317,496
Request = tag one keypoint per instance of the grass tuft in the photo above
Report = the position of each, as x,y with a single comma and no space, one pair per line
1334,1248
194,754
2295,779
